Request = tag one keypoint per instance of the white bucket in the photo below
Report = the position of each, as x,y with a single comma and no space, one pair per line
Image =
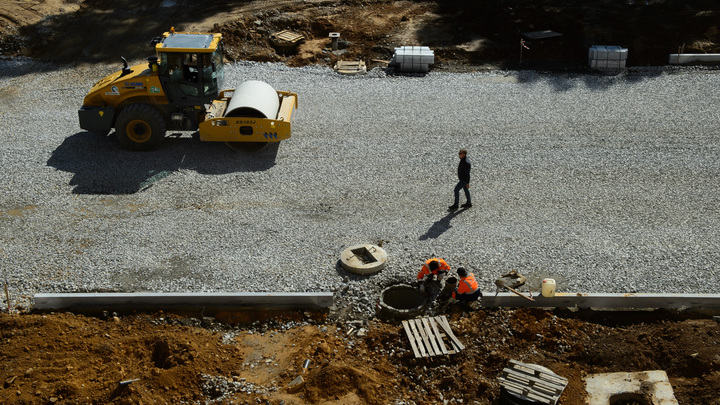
548,287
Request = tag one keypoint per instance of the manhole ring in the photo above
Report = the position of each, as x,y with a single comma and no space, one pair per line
401,301
363,259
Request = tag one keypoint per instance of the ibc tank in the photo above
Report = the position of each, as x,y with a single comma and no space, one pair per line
254,99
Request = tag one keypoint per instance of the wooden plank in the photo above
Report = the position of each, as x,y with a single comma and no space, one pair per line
418,324
287,36
446,326
440,336
431,336
533,382
350,67
523,389
537,371
418,339
411,338
533,377
453,346
534,371
536,389
537,384
520,390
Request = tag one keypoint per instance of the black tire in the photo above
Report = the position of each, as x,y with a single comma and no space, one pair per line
140,127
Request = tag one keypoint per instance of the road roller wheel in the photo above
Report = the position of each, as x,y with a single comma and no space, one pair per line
247,146
140,127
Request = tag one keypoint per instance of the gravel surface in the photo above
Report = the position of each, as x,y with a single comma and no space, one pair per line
607,183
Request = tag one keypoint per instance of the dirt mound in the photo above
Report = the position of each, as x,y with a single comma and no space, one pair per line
67,358
464,34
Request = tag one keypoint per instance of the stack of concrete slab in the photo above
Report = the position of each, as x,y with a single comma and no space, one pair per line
605,57
413,58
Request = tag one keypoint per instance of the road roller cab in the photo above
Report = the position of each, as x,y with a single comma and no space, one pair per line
182,89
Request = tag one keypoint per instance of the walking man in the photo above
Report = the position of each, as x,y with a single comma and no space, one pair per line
463,181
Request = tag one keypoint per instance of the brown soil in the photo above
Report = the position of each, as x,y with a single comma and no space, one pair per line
68,358
465,35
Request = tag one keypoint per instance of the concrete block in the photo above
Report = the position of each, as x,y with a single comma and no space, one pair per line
90,302
604,300
652,387
680,58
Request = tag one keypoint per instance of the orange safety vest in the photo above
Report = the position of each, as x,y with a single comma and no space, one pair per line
467,285
425,271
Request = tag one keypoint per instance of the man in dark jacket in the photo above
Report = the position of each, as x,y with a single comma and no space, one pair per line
464,180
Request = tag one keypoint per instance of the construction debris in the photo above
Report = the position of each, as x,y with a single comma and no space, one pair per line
350,67
511,281
286,40
531,382
296,384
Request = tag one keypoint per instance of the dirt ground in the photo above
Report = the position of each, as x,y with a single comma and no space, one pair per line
252,357
465,35
233,359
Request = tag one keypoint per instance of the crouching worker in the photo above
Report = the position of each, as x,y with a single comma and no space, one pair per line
433,267
467,289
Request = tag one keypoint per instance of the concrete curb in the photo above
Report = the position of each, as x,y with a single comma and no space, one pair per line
184,301
625,300
680,58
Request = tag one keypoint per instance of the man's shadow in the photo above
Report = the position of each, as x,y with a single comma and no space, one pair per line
441,225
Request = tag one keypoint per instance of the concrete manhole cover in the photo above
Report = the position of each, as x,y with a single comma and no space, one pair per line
363,259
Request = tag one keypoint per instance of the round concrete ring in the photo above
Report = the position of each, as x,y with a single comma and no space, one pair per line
363,259
401,301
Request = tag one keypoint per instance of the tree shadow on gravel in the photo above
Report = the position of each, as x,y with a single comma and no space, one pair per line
440,226
101,166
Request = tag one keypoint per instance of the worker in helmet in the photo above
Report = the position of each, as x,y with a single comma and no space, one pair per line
433,267
467,289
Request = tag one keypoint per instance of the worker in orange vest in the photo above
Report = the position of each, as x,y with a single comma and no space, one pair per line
467,289
433,267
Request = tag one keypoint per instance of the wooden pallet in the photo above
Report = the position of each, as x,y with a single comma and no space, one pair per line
286,37
350,67
426,336
533,382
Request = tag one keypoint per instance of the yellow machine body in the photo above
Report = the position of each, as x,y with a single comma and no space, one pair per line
218,128
116,90
179,89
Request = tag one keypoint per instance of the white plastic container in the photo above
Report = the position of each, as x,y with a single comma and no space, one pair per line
413,58
548,287
607,57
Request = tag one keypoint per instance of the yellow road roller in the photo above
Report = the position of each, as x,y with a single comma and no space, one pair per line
181,89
